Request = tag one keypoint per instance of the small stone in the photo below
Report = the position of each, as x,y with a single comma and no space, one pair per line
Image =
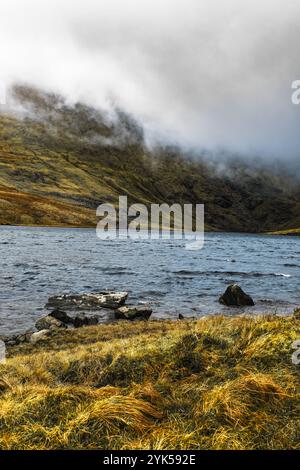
92,301
296,313
39,335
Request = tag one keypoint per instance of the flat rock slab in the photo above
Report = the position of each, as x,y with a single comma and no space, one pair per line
94,301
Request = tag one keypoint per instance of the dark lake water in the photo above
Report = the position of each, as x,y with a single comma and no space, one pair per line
39,262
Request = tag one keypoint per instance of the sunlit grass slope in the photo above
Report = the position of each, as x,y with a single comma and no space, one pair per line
217,383
291,232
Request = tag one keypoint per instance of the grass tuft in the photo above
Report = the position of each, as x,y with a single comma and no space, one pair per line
218,383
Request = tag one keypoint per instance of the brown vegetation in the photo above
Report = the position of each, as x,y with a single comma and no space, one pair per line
215,383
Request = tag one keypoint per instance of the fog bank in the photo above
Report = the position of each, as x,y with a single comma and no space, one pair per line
209,74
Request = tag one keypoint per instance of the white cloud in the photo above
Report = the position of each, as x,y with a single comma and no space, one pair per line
207,74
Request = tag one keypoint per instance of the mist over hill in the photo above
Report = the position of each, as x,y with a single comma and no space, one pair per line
59,161
206,74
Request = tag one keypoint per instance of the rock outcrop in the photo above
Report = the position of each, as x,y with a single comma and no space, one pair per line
133,313
82,320
62,316
235,296
39,335
49,323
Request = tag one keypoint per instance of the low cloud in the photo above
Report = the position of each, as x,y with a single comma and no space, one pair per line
207,75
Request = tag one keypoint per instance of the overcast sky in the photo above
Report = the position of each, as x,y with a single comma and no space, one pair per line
205,73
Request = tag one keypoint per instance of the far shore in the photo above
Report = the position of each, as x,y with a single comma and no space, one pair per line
288,232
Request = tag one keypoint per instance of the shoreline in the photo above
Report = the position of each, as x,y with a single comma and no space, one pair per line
33,335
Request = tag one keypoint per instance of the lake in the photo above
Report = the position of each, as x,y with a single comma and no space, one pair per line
39,262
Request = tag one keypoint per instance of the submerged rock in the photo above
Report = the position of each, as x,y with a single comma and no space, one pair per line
132,313
82,320
49,323
235,296
94,301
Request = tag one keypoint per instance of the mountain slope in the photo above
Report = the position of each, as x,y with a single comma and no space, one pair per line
59,162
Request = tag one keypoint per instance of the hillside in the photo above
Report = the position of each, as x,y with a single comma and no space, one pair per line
59,162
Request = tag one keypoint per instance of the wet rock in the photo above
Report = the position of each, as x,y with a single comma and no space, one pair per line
62,316
180,317
296,313
133,313
23,338
82,320
39,335
49,323
112,300
14,340
235,296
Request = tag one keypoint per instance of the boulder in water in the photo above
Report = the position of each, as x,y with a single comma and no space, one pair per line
15,340
235,296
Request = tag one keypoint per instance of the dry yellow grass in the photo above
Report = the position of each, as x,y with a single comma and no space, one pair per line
20,208
291,232
217,383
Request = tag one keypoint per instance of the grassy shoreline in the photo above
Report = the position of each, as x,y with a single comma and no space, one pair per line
293,232
216,383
